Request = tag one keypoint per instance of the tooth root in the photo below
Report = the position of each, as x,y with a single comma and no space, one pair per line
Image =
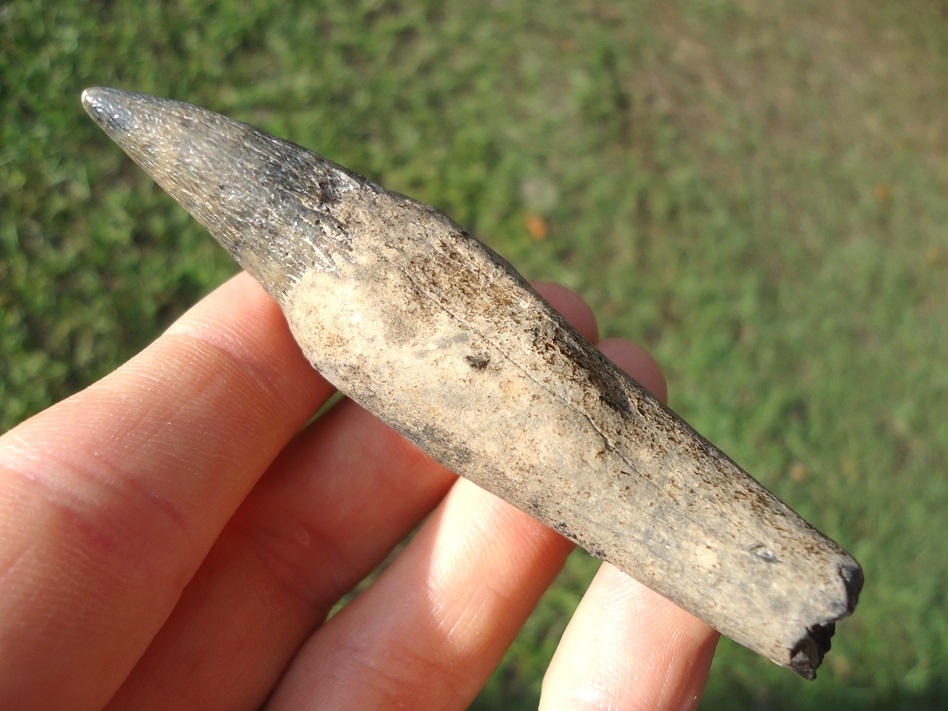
437,335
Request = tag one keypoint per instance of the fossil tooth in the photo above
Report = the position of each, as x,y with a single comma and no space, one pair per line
426,327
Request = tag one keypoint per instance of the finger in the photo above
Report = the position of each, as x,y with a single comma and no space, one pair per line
330,509
110,500
433,626
635,360
431,629
627,647
572,306
326,513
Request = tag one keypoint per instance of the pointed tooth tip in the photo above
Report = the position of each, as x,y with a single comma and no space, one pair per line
121,114
92,101
92,94
97,97
105,107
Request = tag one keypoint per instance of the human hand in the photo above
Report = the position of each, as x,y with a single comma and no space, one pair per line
173,537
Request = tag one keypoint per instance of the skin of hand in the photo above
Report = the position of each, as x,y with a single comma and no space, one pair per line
174,536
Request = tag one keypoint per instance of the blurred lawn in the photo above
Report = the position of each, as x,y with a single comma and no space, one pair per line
757,191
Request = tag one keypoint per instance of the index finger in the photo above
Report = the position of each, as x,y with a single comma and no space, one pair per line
111,499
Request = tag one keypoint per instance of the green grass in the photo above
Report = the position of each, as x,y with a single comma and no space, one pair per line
756,191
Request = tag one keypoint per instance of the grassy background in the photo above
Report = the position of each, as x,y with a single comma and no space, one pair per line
756,191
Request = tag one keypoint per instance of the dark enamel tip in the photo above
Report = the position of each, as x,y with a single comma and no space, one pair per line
108,108
267,201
